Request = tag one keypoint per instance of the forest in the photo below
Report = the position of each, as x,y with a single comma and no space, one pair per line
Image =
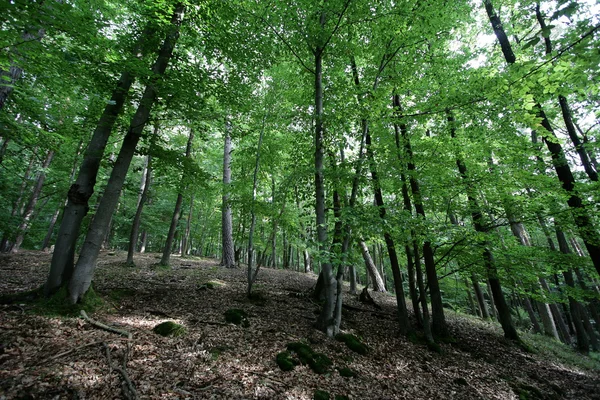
409,187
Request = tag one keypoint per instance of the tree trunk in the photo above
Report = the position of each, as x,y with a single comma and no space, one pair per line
439,326
61,267
186,241
584,223
228,255
83,273
251,274
166,256
422,295
135,225
499,301
583,343
378,285
3,149
30,207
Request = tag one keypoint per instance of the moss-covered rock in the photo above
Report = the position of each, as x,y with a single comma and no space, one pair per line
237,317
304,352
352,342
169,328
318,362
285,361
321,395
347,372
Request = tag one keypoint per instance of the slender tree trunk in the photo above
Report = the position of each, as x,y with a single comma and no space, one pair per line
252,275
583,221
499,301
228,256
30,208
326,319
378,285
166,256
135,225
61,267
186,241
3,149
84,271
439,326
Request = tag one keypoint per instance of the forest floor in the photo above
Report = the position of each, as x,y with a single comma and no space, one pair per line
51,357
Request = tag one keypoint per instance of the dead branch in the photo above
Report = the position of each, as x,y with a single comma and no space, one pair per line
105,327
127,385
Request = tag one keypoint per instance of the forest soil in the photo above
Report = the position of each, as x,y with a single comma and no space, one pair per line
46,357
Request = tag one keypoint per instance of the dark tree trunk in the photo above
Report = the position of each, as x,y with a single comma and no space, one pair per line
80,192
83,273
422,295
499,301
135,225
186,241
252,274
166,256
584,223
439,326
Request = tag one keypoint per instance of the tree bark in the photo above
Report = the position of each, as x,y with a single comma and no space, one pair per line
84,271
228,255
378,285
61,267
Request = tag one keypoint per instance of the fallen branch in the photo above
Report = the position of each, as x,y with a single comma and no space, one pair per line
127,385
105,327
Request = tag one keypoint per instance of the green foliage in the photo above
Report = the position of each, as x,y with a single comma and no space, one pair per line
237,317
352,342
169,328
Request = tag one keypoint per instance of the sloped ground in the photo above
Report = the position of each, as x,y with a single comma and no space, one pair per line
54,358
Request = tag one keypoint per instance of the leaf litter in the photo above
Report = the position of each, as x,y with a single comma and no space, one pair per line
44,357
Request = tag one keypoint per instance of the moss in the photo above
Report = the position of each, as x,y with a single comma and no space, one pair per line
285,361
320,363
169,328
305,353
237,317
352,342
347,372
321,395
59,305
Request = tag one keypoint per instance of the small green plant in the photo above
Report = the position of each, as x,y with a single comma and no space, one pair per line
285,361
321,395
352,342
237,317
169,328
